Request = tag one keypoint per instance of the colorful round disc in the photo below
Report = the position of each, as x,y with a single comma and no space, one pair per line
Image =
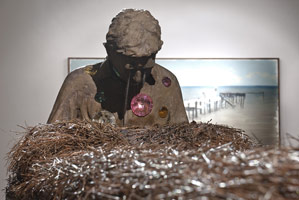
141,105
163,112
166,81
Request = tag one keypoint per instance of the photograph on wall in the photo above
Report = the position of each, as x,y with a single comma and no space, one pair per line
237,92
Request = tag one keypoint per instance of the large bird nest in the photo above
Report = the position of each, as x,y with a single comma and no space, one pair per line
80,160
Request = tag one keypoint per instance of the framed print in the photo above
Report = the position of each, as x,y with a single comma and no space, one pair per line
238,92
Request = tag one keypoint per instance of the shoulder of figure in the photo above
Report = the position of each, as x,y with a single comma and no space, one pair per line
161,68
81,71
79,79
85,71
160,71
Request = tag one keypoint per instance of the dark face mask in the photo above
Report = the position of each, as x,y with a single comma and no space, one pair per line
139,67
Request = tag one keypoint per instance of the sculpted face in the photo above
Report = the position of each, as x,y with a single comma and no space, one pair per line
126,66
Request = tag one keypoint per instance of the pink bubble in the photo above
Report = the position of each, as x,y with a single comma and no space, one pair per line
141,105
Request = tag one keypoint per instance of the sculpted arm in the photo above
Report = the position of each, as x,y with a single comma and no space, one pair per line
75,99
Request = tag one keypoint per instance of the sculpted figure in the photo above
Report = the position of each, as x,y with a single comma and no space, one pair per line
129,88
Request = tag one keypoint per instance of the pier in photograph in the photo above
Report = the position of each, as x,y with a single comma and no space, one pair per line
201,106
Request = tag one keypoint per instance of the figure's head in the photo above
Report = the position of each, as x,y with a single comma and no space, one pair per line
134,33
133,39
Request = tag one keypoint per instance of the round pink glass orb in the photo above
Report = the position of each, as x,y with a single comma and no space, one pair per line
166,81
141,105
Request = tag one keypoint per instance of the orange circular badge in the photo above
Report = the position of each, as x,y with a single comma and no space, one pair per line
163,112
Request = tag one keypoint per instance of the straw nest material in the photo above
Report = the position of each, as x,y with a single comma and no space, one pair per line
80,160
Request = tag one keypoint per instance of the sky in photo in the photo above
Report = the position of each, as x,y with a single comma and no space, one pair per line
223,72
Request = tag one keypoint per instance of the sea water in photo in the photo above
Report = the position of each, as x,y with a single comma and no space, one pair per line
253,109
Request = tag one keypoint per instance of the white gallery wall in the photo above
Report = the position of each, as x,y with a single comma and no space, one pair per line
37,37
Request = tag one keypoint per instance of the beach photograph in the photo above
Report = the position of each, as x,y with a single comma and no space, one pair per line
239,93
